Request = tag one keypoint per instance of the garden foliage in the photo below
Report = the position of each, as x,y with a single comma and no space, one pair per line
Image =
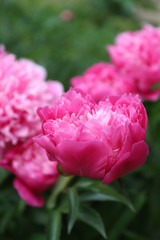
86,141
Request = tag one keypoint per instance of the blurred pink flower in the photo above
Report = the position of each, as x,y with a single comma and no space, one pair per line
22,90
34,172
102,80
99,141
67,15
137,55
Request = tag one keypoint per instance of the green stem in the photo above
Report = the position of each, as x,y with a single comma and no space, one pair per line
59,187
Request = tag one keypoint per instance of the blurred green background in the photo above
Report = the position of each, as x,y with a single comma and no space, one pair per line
37,30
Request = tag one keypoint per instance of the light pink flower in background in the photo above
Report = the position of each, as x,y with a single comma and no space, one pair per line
137,55
34,172
102,80
67,15
99,141
22,90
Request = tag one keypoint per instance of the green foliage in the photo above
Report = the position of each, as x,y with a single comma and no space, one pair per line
3,175
95,191
54,225
92,218
73,207
64,48
126,218
35,30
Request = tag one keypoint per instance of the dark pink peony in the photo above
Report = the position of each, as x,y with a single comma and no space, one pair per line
137,55
34,172
99,141
102,80
22,90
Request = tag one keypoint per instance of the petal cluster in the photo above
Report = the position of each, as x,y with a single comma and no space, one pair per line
99,141
22,90
102,80
34,172
137,54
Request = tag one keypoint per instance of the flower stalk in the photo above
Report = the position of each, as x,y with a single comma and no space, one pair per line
61,185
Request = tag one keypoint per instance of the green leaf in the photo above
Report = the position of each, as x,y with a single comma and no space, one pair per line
73,206
92,218
3,175
5,219
39,216
54,225
84,182
63,204
37,236
99,192
134,236
124,220
110,192
155,86
21,206
92,195
60,186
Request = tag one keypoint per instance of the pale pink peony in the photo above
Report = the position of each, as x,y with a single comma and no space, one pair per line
99,141
22,90
34,172
137,55
102,80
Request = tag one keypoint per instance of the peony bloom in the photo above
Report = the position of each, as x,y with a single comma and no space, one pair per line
102,80
99,141
137,55
34,172
67,15
22,90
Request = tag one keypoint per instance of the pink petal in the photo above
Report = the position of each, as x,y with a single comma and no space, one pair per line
30,197
128,163
88,158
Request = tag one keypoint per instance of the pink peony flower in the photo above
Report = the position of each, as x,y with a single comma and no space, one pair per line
137,54
102,80
99,141
34,172
22,90
67,15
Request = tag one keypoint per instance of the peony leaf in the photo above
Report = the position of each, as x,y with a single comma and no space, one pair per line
107,190
84,182
63,204
3,175
60,186
92,218
6,218
94,195
126,217
37,236
156,86
134,236
73,206
54,225
98,192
